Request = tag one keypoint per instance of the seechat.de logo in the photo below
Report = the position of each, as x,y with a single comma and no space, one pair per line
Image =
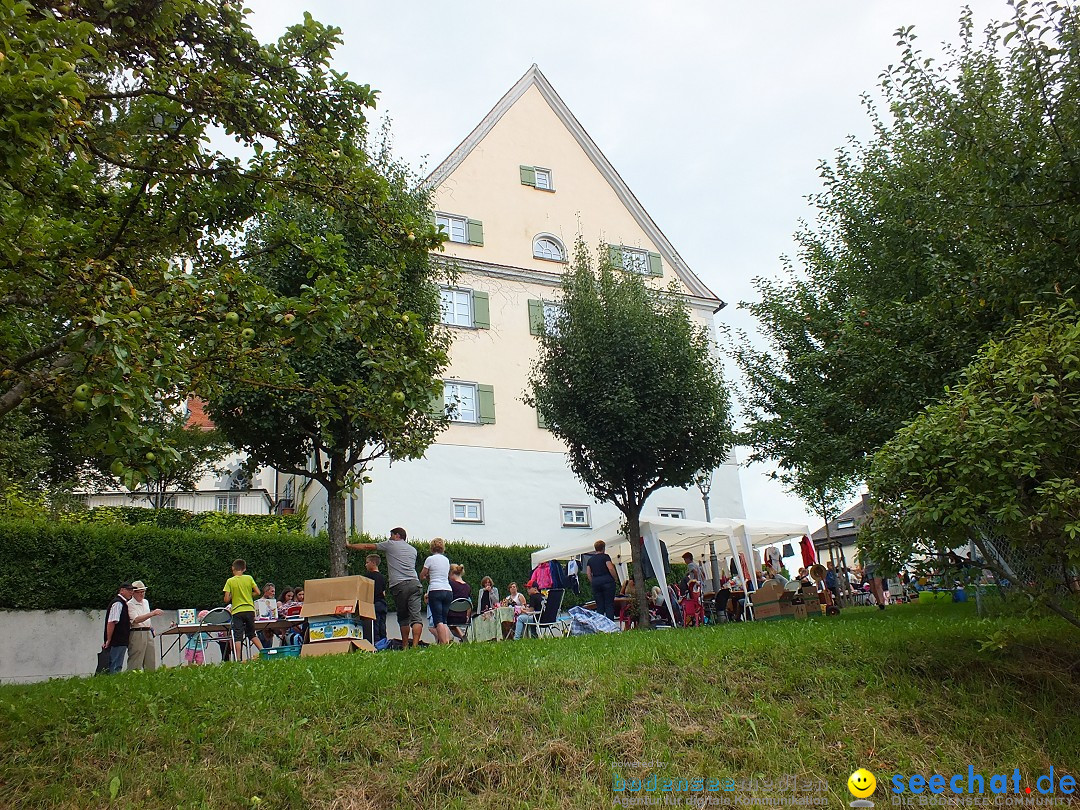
862,785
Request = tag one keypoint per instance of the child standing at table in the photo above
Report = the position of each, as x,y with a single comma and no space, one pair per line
240,593
196,644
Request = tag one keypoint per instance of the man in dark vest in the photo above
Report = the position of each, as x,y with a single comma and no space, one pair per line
118,628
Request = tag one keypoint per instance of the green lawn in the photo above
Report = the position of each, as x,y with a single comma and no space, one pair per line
542,723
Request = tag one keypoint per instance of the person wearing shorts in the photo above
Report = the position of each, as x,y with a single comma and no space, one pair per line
437,571
240,592
404,583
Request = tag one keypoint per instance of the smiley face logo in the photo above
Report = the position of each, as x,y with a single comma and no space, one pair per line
861,783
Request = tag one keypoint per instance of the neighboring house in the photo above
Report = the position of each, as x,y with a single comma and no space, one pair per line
231,491
842,534
512,198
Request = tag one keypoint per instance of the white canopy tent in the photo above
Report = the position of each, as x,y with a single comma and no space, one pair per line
679,536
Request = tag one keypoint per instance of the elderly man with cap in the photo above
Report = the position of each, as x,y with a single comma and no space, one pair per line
141,646
117,628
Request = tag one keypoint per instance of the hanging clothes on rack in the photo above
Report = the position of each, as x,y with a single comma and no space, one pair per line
809,554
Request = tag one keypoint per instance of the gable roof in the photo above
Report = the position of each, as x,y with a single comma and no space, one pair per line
534,78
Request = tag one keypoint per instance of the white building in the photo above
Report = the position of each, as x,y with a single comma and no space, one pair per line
513,197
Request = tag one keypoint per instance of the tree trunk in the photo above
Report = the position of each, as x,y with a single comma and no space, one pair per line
638,551
336,529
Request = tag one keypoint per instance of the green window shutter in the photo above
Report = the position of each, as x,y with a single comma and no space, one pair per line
476,232
528,176
656,267
536,317
485,395
541,422
614,253
481,310
437,406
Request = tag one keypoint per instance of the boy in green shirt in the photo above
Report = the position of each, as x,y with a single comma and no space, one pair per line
241,592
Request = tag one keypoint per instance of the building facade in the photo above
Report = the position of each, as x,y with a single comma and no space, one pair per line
513,198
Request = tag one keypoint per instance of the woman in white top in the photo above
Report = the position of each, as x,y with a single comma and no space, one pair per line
440,595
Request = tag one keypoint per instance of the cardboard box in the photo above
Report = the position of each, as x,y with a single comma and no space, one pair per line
335,647
800,612
768,610
769,592
328,628
339,596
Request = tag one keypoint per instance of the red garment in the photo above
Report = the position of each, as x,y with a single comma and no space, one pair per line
809,555
541,576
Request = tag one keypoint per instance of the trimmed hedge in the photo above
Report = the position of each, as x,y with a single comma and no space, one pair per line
78,565
47,566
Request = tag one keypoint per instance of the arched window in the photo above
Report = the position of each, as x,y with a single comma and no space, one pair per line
546,246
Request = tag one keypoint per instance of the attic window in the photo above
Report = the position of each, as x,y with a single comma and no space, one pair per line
845,524
536,177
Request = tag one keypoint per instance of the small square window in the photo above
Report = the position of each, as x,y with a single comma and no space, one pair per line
456,307
461,398
678,514
456,228
465,511
576,517
543,179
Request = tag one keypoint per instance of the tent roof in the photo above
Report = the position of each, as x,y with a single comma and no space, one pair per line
679,536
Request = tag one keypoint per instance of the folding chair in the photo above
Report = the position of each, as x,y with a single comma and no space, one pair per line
464,607
220,618
548,617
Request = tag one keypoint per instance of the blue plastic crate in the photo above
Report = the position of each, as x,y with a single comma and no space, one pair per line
274,653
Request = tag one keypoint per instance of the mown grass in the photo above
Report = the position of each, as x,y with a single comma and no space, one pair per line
542,723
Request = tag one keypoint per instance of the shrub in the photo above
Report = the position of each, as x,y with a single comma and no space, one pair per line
182,519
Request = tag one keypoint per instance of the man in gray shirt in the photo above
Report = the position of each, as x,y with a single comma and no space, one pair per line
403,582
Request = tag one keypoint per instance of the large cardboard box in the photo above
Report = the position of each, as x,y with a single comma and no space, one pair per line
768,592
339,596
335,647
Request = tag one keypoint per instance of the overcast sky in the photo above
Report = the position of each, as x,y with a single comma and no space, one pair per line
715,113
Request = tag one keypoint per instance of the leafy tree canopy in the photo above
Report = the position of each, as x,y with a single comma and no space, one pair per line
932,238
632,386
994,462
122,280
366,391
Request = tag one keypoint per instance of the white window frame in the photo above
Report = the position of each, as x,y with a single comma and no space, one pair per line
574,522
466,504
553,314
556,241
845,524
446,223
456,386
671,512
544,173
230,504
635,260
458,295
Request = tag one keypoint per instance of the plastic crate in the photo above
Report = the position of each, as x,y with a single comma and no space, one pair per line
274,653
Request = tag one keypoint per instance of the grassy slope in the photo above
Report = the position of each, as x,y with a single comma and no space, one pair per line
493,725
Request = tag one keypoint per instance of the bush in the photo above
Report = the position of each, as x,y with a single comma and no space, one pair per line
79,565
182,519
